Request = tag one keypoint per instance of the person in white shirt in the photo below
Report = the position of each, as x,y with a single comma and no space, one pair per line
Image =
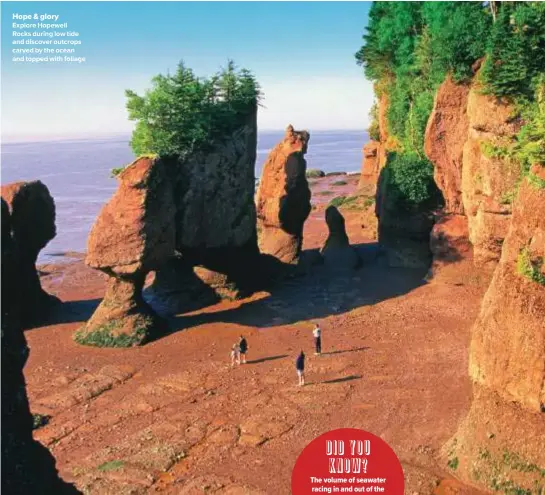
235,355
317,334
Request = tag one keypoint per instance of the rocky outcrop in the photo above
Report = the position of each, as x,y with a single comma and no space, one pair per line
27,467
337,252
449,242
32,223
370,168
403,231
375,152
214,194
507,352
462,133
283,198
446,134
506,421
215,218
133,234
488,180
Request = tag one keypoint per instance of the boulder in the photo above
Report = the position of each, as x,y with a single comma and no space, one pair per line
283,198
506,420
32,223
488,180
133,235
446,134
337,252
27,467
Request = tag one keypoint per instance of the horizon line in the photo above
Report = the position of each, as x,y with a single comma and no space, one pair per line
22,138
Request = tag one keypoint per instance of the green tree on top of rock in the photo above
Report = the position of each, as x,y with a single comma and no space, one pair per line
515,56
183,113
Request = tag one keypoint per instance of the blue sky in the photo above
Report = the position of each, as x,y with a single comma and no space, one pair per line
301,52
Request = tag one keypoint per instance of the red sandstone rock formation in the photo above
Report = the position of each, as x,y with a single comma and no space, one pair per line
215,219
32,222
283,198
27,467
449,242
446,133
507,356
507,351
403,232
370,166
337,252
133,235
488,181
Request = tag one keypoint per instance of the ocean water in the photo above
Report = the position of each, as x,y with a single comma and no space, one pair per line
77,173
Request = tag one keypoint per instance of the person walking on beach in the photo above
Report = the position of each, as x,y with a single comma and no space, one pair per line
300,367
243,349
235,355
317,334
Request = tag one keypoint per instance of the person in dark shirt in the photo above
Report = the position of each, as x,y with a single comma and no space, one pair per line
243,349
300,367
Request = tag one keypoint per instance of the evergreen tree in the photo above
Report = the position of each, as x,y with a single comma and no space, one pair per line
182,113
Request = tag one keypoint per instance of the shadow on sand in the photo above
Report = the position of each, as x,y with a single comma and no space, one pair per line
67,312
343,379
320,293
270,358
357,349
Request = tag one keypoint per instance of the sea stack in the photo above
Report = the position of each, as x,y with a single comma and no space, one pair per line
283,198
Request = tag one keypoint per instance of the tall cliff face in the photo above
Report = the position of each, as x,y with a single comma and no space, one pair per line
500,442
444,140
488,181
446,134
507,353
478,184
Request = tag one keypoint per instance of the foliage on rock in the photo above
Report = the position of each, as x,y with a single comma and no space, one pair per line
410,47
183,113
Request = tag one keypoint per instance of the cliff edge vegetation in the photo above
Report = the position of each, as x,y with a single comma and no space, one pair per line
411,47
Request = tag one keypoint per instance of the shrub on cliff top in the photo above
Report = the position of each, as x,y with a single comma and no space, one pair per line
183,113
